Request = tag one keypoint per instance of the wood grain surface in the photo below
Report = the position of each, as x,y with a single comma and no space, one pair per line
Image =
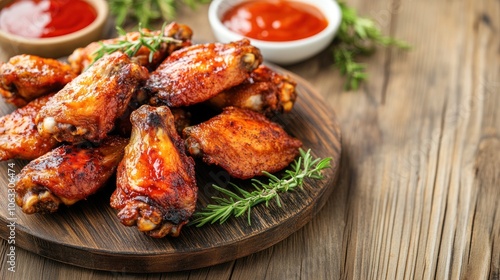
419,186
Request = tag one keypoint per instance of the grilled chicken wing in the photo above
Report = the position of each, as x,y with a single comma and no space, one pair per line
81,58
19,137
156,184
67,174
243,142
265,91
88,106
199,72
26,77
123,126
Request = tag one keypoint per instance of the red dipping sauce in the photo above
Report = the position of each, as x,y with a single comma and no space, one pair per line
46,18
275,20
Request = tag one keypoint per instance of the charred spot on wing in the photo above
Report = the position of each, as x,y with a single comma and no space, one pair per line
154,120
176,216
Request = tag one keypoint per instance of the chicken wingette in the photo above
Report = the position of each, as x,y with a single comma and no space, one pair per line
265,91
26,77
156,186
88,107
243,142
67,174
19,137
197,73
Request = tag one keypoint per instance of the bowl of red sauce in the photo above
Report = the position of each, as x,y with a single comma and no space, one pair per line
50,28
286,31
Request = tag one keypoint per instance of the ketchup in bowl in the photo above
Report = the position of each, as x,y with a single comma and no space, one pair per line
275,21
46,18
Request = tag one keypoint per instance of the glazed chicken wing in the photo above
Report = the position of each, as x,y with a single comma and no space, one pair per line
243,142
19,137
67,174
87,107
81,58
123,126
26,77
197,73
156,185
265,91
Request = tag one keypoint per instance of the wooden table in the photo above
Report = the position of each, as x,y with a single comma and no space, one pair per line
419,189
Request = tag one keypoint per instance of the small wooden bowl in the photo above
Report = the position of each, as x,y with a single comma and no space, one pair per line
59,46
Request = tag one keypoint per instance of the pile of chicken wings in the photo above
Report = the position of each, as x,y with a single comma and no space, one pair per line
80,122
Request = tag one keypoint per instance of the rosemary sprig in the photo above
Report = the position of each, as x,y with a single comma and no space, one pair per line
354,71
357,36
145,11
131,47
240,202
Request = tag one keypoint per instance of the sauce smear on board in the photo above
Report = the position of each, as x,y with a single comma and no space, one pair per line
46,18
275,20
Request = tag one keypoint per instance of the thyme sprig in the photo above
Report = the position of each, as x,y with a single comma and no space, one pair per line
241,201
131,47
357,36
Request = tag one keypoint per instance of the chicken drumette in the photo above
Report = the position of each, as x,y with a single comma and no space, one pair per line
81,58
87,107
67,174
265,91
26,77
19,137
156,185
243,142
197,73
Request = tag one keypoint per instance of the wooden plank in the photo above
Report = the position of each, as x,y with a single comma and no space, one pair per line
411,210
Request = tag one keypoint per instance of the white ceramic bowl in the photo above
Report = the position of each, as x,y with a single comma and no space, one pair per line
59,46
283,53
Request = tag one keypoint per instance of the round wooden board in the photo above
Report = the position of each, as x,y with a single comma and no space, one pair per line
89,235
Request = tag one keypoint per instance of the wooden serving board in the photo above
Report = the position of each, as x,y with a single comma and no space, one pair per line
89,235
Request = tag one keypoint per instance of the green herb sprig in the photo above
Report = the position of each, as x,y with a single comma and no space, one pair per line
131,47
146,11
357,36
240,202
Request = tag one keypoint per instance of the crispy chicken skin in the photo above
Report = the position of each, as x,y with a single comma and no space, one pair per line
19,137
265,91
87,107
26,77
81,58
243,142
156,185
67,174
197,73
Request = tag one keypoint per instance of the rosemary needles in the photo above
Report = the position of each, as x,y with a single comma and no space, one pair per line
357,36
130,47
241,201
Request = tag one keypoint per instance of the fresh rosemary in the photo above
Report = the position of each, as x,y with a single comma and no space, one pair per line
145,11
131,47
240,202
357,36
